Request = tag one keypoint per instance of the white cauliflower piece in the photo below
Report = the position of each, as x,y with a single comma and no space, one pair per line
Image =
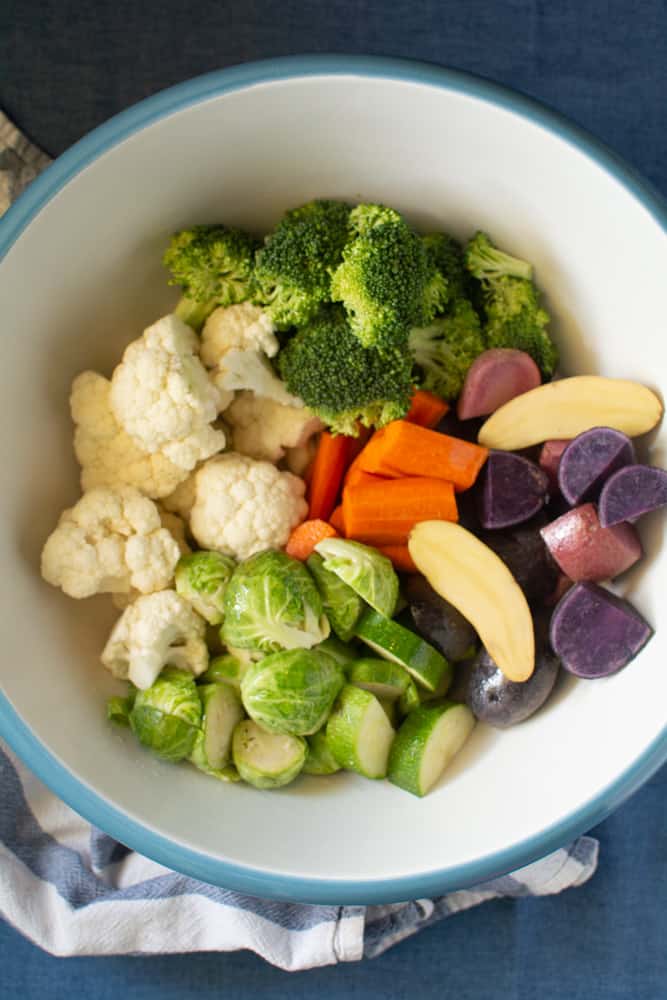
163,397
110,542
182,499
236,344
156,630
108,456
243,506
264,429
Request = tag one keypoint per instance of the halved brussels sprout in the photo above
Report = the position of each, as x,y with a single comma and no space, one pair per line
267,760
221,712
201,578
291,692
342,605
272,603
369,573
224,669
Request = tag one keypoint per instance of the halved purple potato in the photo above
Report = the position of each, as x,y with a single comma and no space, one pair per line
632,491
495,377
513,489
589,460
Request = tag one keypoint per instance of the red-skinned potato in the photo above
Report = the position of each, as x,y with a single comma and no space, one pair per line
550,456
584,550
495,377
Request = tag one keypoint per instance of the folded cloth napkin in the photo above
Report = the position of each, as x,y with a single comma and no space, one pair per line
73,890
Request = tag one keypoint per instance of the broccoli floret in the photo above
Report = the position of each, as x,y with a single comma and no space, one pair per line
514,319
446,254
446,348
367,216
486,262
214,267
293,268
343,382
387,283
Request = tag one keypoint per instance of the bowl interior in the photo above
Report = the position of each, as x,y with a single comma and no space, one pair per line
85,277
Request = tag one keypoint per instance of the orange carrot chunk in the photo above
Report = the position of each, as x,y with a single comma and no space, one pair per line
403,449
384,512
400,557
337,521
426,409
334,452
304,538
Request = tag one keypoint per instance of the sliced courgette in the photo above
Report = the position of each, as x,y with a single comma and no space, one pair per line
383,678
394,642
428,740
267,760
359,733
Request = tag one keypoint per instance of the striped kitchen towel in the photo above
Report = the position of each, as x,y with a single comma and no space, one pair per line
73,890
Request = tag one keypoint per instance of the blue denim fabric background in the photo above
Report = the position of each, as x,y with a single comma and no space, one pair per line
64,68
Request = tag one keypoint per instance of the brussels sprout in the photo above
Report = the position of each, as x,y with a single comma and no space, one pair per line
201,578
272,603
221,711
340,652
319,759
118,710
166,716
225,669
291,692
267,760
342,605
369,573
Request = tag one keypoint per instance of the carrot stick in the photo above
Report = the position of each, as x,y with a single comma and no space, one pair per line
385,511
400,557
404,449
331,461
426,409
337,521
305,537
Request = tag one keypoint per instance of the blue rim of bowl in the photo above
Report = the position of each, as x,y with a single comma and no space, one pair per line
77,793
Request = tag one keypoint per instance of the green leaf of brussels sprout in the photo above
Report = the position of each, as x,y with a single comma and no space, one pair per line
272,603
201,578
291,692
364,569
166,716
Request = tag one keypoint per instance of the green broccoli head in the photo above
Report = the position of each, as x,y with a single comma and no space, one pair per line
293,268
446,348
486,262
514,318
367,216
214,267
446,255
387,283
342,381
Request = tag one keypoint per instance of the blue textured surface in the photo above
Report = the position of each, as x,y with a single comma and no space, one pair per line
605,65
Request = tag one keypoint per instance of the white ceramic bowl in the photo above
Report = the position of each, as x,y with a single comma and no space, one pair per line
81,276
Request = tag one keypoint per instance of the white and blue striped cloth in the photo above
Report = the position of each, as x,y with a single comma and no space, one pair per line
73,890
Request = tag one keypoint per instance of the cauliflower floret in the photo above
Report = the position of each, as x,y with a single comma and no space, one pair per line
182,499
163,397
236,344
108,456
109,542
243,506
263,429
298,459
156,630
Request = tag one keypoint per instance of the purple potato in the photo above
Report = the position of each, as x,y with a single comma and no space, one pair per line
632,491
589,460
513,489
437,621
595,633
502,703
525,554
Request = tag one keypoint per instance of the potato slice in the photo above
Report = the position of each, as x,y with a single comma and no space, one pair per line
568,406
469,575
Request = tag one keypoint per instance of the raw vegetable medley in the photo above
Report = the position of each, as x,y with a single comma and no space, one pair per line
338,484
